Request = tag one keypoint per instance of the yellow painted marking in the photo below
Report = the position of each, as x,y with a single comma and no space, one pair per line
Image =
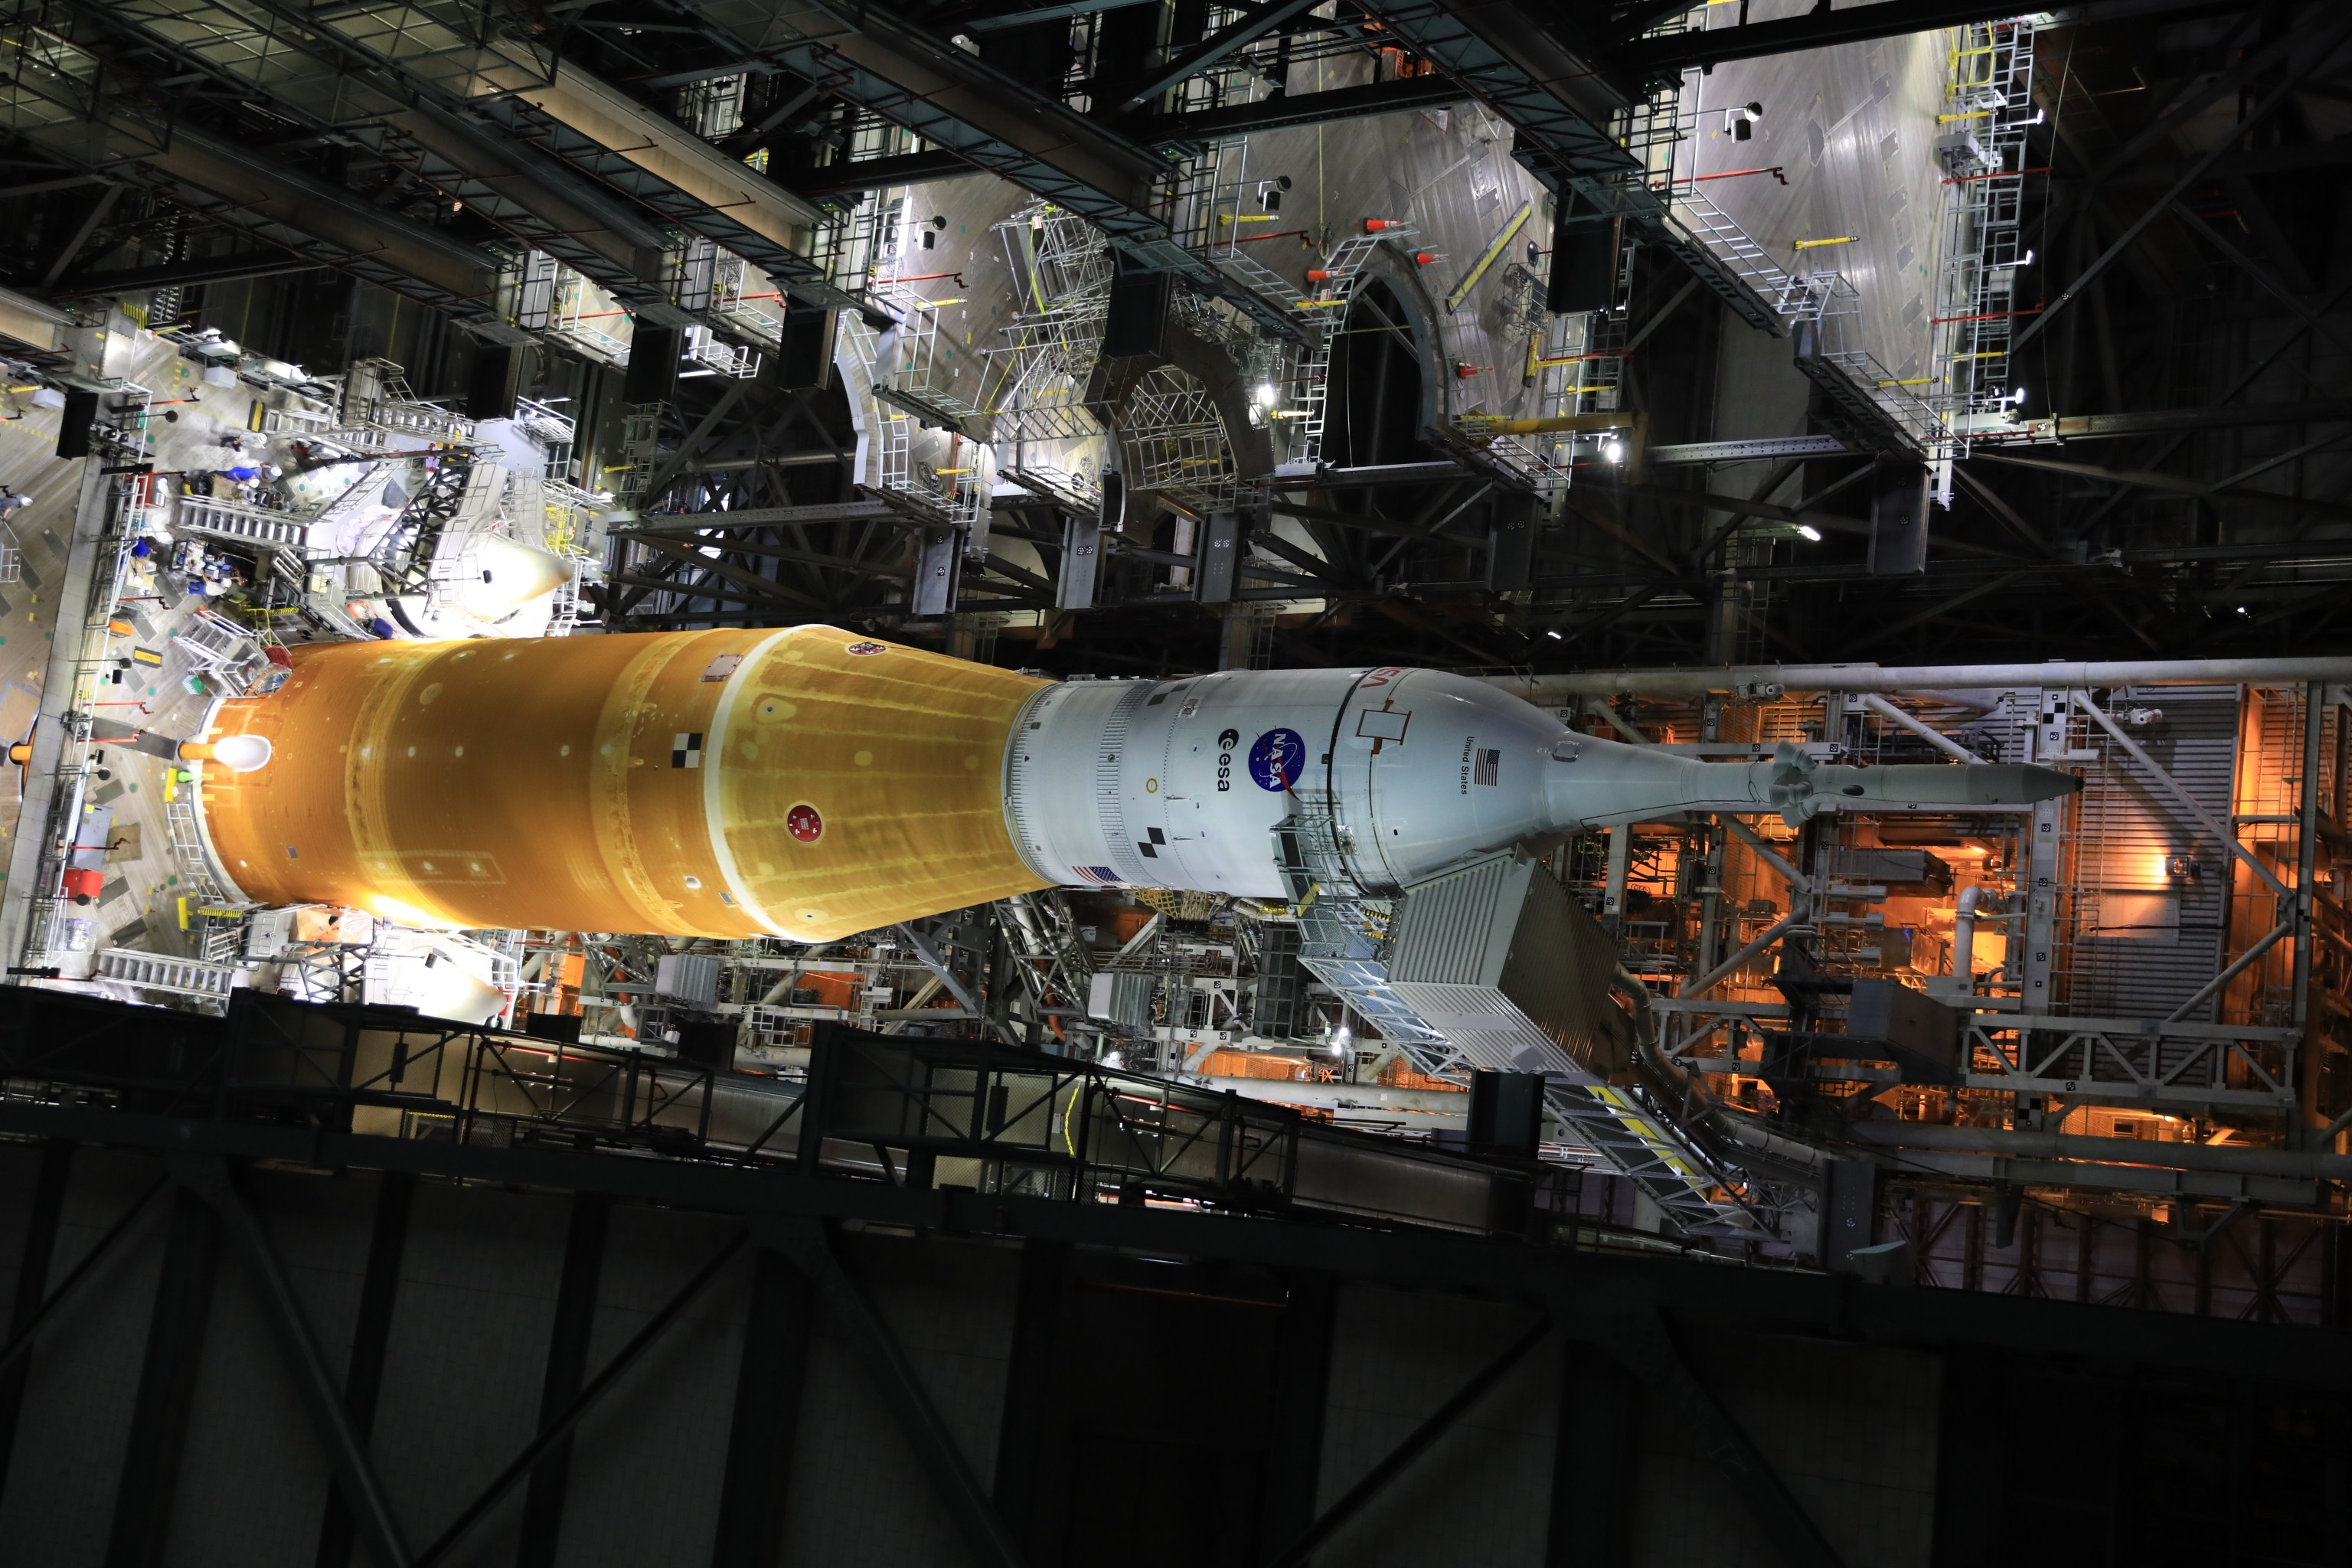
1486,259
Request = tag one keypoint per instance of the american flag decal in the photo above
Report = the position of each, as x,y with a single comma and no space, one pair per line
1489,770
1103,874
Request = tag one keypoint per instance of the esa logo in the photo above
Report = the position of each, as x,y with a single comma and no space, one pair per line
1276,759
1226,741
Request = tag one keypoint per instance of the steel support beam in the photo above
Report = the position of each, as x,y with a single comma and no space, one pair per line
1646,1344
21,1338
2320,47
1415,1443
1593,1459
927,952
810,1247
1030,16
184,274
757,1481
1302,1395
32,1284
1032,1378
882,173
956,101
347,1456
555,1431
567,1367
1791,1301
1255,23
140,1536
371,1338
1554,690
1289,109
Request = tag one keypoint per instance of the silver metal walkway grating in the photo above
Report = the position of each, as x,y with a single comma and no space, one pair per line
159,971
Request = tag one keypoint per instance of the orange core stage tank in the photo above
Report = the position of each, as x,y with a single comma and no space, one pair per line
806,783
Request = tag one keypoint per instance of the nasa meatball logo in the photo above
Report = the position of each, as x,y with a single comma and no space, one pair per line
863,650
803,823
1275,759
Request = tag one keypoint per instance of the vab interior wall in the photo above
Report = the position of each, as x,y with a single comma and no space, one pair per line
1171,1411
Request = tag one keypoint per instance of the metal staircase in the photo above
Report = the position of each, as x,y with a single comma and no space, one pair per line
234,519
161,971
1346,941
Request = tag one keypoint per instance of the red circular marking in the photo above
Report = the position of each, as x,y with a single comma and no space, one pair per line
803,823
868,648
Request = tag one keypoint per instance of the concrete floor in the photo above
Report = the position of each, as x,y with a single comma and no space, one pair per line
30,467
141,901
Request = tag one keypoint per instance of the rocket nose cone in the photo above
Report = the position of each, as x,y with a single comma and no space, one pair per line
512,576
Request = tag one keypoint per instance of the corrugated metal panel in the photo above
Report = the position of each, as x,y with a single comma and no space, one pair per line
1500,929
1487,1028
1454,929
2144,940
1559,971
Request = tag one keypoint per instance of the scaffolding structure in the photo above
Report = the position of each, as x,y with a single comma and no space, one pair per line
1988,108
377,401
577,314
1820,309
1172,441
758,312
1063,269
1342,269
706,347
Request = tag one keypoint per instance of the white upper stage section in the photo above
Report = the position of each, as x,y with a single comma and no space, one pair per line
1179,784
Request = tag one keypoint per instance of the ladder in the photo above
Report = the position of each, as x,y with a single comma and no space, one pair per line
1343,268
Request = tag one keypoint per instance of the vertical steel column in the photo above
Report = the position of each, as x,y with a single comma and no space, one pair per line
1620,861
1033,1381
1302,1371
32,1283
768,1383
370,1335
2306,845
567,1368
1595,1454
167,1385
1710,917
2040,878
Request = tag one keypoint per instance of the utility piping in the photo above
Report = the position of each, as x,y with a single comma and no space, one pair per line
1942,743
